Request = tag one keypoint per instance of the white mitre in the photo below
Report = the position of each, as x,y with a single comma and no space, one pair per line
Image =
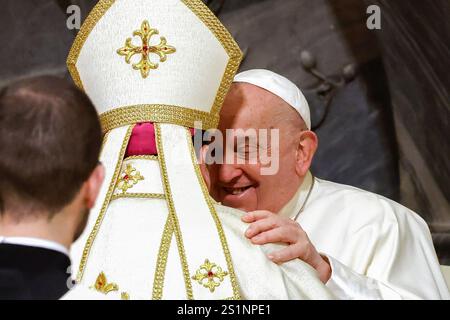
279,86
191,62
155,232
169,62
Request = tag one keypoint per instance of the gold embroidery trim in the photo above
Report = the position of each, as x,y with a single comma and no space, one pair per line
94,16
161,262
228,43
129,177
105,139
138,195
223,240
185,117
101,215
207,274
172,213
214,201
161,50
162,113
142,157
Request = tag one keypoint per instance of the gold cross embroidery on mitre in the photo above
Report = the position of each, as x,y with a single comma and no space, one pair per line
145,65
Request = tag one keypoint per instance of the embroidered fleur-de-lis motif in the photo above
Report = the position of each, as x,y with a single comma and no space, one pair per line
209,275
102,285
128,178
145,49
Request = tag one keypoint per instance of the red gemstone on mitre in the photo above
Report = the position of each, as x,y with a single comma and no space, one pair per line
210,274
126,177
145,48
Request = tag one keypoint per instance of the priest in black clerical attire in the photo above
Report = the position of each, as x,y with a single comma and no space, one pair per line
50,140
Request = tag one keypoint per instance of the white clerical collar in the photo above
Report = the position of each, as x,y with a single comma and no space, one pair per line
35,242
298,201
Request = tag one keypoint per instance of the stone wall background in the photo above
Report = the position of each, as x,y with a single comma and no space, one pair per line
387,127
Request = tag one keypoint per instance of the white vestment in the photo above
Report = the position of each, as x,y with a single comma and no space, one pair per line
140,258
154,231
377,248
258,278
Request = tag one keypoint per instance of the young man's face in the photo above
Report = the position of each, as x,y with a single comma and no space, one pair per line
243,186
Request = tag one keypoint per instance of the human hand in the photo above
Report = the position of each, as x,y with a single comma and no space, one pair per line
267,227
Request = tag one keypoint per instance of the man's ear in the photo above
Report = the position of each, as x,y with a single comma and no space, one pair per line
93,185
306,148
204,167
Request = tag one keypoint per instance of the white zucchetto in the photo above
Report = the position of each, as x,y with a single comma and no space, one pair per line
281,87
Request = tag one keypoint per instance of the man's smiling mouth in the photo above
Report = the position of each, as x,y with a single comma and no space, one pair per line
236,191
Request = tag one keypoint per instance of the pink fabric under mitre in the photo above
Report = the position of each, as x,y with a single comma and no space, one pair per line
142,141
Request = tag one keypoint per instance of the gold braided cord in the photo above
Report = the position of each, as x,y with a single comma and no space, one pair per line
105,139
161,262
185,117
172,213
94,16
105,205
142,157
138,195
212,209
226,40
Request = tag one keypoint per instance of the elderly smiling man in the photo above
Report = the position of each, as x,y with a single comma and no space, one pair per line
362,245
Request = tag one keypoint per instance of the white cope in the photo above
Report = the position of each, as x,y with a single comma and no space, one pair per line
377,248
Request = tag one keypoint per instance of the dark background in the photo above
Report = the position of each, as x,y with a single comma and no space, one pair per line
380,99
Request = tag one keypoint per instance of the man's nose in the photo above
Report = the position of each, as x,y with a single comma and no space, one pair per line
228,172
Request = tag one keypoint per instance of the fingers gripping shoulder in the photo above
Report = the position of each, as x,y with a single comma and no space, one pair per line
291,280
